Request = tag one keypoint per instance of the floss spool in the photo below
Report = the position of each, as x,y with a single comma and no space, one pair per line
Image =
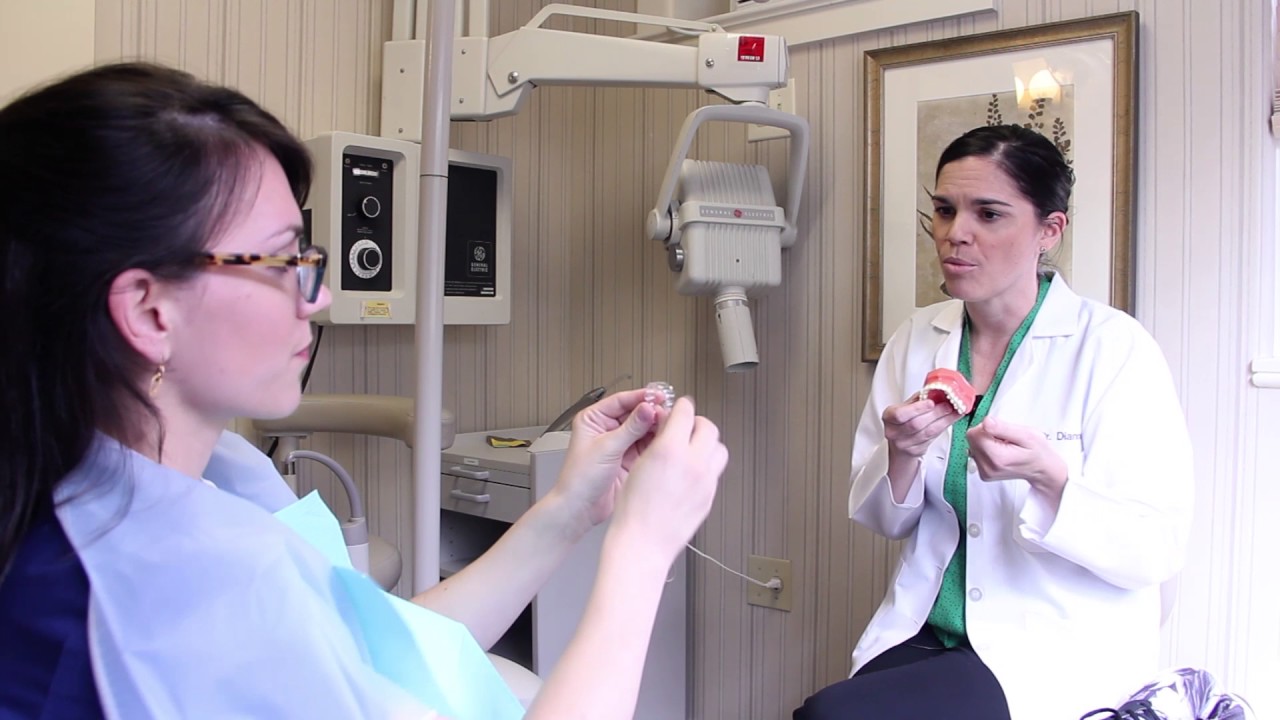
660,393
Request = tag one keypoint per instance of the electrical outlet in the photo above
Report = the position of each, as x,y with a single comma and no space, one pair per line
783,99
763,569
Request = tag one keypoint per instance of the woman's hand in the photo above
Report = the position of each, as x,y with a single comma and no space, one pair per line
661,503
1004,451
670,490
910,427
607,438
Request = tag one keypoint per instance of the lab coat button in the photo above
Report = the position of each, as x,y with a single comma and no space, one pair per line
974,530
975,594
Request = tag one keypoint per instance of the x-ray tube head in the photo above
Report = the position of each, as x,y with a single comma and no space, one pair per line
722,228
737,339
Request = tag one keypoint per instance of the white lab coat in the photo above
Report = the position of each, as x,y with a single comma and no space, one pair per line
1064,608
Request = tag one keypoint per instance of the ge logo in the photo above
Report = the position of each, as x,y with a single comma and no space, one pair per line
479,253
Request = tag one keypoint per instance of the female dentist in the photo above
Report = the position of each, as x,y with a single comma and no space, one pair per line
1041,522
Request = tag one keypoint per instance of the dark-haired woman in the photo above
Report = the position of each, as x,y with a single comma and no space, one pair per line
1040,523
155,285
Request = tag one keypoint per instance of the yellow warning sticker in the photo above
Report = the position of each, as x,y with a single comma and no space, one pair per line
375,309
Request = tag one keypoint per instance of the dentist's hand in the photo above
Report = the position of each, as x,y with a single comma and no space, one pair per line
672,485
910,427
1004,451
607,439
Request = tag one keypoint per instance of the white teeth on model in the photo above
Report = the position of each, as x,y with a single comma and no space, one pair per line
955,400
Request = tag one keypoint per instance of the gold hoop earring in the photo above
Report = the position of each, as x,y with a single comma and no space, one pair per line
157,379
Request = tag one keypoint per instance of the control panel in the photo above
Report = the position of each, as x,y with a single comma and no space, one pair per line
363,209
368,206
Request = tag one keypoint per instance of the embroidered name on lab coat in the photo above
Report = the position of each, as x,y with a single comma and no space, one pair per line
1059,435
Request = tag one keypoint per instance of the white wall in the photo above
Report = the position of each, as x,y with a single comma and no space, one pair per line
1205,218
40,39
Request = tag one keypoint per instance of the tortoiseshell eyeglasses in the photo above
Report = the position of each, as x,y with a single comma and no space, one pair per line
310,264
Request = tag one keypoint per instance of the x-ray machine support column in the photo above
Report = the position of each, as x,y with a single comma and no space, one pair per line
429,331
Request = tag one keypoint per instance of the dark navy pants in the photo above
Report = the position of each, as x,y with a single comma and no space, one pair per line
917,680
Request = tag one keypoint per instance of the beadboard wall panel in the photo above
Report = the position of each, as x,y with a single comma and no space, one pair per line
42,39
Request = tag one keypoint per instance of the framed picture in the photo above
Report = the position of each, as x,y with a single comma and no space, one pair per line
1073,82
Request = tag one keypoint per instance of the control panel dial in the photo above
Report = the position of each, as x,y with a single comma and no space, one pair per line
365,259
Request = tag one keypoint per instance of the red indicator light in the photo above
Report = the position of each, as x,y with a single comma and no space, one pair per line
751,48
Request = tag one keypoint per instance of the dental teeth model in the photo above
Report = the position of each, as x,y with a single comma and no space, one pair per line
946,385
660,393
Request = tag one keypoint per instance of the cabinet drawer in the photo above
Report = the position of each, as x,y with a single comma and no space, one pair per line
483,498
479,472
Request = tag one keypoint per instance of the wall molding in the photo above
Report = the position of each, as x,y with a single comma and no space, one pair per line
809,21
1265,373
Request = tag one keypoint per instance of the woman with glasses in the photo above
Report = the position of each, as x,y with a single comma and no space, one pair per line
156,284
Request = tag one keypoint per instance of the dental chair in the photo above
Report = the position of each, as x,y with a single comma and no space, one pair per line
380,416
377,415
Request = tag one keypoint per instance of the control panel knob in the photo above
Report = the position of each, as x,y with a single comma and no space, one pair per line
370,207
369,259
365,259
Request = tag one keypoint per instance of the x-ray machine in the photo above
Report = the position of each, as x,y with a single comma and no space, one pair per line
719,223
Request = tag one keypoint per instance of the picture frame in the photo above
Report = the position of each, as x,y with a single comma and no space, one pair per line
1075,82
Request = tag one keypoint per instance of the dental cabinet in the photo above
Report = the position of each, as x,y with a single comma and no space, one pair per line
483,491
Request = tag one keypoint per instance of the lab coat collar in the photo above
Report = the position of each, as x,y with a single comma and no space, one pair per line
1059,314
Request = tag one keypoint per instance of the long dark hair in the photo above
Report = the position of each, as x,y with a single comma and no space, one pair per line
131,165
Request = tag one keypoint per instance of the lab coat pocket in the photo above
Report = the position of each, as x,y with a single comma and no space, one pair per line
1043,630
1076,642
911,597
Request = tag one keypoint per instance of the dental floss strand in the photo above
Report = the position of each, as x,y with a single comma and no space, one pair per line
773,583
664,394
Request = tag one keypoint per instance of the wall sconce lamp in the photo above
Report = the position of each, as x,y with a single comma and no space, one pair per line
1040,83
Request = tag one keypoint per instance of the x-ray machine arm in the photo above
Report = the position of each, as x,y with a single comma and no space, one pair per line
492,77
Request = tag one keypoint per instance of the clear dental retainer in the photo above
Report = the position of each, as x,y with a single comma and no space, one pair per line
660,393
